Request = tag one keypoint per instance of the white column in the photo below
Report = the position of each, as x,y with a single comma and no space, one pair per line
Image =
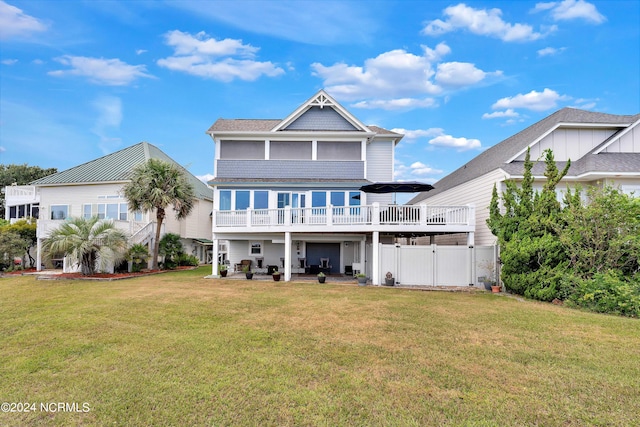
375,264
214,256
287,256
39,255
471,238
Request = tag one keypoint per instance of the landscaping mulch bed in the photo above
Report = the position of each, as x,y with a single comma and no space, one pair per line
45,275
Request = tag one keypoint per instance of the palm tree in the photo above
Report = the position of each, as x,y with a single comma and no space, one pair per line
86,241
157,184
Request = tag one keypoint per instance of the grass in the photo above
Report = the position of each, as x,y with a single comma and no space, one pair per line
177,349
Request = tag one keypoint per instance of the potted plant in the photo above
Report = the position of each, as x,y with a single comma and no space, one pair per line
222,269
276,276
388,279
362,279
248,273
321,277
489,280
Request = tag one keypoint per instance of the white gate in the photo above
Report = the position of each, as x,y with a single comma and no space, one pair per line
435,265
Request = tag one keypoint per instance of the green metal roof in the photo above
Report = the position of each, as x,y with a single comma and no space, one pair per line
116,167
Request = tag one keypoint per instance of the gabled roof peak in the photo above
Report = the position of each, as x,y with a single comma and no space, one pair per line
320,101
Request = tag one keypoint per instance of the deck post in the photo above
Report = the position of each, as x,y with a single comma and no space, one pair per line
214,256
375,264
287,256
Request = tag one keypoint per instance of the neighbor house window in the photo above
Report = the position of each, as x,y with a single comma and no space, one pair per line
255,248
59,211
112,211
124,210
86,211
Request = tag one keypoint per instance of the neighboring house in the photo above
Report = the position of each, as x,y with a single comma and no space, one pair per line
94,188
287,193
604,149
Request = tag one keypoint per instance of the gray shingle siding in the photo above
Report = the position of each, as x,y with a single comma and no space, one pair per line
319,119
287,169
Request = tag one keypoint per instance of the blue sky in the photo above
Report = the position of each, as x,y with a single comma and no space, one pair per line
81,79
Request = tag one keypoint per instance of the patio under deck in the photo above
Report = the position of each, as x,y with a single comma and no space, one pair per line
341,222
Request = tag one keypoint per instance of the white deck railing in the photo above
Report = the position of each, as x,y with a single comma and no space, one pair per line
389,215
15,194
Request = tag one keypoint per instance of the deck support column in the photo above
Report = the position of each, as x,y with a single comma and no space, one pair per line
39,255
214,256
287,256
375,264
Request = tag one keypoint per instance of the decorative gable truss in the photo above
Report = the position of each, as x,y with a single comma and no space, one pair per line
321,113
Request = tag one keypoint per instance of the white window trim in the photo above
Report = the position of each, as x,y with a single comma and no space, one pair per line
256,242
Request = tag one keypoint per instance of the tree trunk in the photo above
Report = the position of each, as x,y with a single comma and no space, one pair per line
156,243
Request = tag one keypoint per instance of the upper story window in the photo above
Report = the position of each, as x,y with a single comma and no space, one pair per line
290,150
242,150
339,150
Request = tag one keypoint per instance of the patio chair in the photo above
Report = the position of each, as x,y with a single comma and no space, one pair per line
241,265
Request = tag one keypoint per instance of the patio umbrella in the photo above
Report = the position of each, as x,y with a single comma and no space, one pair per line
396,187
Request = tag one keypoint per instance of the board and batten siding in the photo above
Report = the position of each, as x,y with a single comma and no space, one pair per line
379,168
569,143
627,143
476,192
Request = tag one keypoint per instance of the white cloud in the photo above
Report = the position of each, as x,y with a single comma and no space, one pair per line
224,60
141,51
398,79
536,101
412,135
549,51
459,74
419,168
416,171
499,114
586,104
396,104
485,22
461,144
572,9
310,22
2,149
9,61
435,55
438,138
14,22
109,109
110,72
205,178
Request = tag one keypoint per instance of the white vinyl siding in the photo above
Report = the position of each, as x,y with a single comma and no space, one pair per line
379,168
569,143
628,143
476,192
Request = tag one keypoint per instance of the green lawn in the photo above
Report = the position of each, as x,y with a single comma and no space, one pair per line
177,349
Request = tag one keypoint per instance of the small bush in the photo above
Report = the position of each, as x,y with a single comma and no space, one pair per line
608,292
187,260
